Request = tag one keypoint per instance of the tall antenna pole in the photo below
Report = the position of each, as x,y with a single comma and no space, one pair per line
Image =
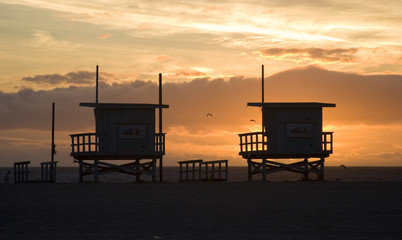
262,83
262,97
160,126
160,102
53,146
97,84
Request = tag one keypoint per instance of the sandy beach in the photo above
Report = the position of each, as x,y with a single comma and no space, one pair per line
242,210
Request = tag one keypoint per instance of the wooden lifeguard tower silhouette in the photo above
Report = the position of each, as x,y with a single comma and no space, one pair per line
123,132
290,130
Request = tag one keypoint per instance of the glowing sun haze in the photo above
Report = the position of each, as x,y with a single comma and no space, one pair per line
210,53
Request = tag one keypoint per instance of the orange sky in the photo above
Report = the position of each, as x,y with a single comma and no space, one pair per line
210,54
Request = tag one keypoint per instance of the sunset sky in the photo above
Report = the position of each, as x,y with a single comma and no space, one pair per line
210,54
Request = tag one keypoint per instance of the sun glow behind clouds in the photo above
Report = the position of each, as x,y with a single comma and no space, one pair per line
262,31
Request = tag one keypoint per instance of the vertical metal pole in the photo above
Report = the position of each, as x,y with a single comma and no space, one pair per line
54,172
262,84
97,83
160,127
53,149
262,97
53,146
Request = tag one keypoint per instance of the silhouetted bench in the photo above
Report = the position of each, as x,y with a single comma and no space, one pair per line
21,172
48,171
198,170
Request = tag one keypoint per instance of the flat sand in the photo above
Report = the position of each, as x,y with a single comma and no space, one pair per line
241,210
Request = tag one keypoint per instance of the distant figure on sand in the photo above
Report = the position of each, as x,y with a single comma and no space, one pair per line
7,177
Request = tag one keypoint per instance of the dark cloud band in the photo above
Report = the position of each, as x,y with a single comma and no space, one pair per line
360,99
76,78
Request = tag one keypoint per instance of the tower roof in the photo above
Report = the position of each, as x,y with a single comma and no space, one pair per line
123,105
291,104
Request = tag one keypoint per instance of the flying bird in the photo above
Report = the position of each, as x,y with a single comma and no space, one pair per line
252,120
209,115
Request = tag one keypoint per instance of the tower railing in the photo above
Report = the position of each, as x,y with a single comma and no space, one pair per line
84,144
258,142
253,142
160,143
327,142
88,144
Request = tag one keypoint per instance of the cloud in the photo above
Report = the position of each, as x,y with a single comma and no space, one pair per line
190,74
71,78
105,36
311,54
43,38
163,58
279,20
369,99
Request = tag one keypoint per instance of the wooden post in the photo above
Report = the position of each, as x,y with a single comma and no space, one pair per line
160,127
81,172
15,173
220,169
264,165
194,171
43,173
306,173
96,162
212,176
153,169
206,172
181,171
26,172
186,171
138,168
199,170
249,169
321,177
226,171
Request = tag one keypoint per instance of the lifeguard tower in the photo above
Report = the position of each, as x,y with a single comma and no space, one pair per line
290,130
123,132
